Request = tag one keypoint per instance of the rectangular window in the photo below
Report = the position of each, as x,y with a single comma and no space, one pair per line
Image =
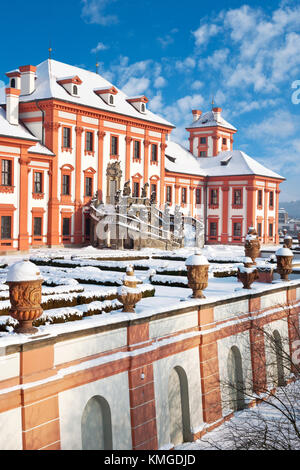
154,190
213,197
89,141
87,227
271,200
183,195
6,172
137,149
66,137
66,185
114,145
136,189
259,232
37,226
88,186
237,197
259,198
38,182
198,196
270,230
224,140
203,153
169,194
66,226
237,229
202,140
154,152
213,229
5,227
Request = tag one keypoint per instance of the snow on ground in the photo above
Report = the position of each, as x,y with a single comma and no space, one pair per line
251,424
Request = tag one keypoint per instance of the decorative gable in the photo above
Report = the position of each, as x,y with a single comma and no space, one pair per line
71,84
107,94
139,103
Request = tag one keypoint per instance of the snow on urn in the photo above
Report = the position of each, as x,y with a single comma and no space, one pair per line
252,245
129,294
247,274
25,292
284,262
288,241
197,273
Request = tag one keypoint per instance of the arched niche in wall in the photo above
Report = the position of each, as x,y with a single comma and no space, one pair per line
279,355
96,428
235,379
179,408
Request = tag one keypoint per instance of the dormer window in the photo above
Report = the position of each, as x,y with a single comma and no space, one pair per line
13,83
70,84
139,103
14,79
107,94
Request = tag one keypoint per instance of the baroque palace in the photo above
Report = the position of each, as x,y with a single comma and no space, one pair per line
63,129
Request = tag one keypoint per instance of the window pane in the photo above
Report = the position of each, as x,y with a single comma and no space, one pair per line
169,194
137,148
66,185
237,229
154,152
183,195
136,189
6,166
88,186
6,227
114,145
37,182
37,226
198,196
214,197
89,141
213,229
237,197
66,226
66,137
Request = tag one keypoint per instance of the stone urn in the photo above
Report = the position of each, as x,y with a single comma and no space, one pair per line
25,293
197,274
298,238
288,241
129,293
284,262
252,245
247,274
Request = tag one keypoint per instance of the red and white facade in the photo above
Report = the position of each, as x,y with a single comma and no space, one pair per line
60,129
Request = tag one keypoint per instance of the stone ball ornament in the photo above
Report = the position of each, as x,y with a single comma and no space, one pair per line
25,293
197,274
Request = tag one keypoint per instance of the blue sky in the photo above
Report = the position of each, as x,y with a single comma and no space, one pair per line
180,54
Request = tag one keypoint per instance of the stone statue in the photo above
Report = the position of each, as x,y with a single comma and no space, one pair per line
127,189
144,190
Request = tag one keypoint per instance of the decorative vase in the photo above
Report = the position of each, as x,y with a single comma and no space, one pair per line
284,262
252,245
247,274
197,274
25,293
129,294
288,241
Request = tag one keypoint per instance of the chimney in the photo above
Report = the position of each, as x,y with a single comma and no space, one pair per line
27,79
196,114
12,105
217,113
14,79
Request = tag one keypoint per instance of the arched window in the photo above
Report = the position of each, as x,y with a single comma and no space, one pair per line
179,409
75,90
111,99
96,428
235,379
143,107
279,352
13,83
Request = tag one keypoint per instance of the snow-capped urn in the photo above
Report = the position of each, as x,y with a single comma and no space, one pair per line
129,294
197,273
25,293
252,245
284,262
288,241
298,236
247,273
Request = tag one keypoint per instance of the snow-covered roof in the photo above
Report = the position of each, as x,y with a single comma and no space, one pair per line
237,163
211,119
49,71
11,130
19,131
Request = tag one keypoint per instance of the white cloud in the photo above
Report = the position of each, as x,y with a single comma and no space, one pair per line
168,39
204,33
136,86
278,126
93,11
196,85
160,82
100,47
